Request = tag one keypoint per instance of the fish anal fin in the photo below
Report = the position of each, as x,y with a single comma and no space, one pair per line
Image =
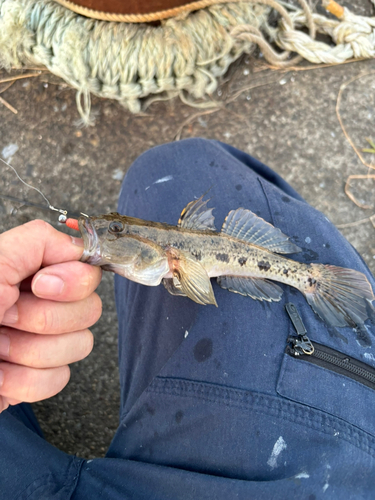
192,277
197,216
341,297
245,225
256,288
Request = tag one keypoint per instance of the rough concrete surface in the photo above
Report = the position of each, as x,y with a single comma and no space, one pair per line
288,122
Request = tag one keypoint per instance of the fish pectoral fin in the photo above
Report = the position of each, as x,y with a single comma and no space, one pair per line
197,216
192,277
245,225
256,288
173,286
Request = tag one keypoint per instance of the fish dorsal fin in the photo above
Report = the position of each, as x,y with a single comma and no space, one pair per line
256,288
192,278
245,225
197,216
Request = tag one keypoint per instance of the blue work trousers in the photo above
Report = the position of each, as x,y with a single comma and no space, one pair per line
212,407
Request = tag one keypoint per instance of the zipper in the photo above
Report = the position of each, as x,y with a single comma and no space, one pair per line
303,348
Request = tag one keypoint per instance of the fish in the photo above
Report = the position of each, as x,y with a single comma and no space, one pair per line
246,257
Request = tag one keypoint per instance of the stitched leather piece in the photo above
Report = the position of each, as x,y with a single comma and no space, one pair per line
130,6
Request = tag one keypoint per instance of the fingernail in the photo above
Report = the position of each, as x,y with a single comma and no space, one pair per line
47,285
1,377
77,241
11,315
4,345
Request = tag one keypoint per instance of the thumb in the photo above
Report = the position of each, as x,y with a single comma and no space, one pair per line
25,249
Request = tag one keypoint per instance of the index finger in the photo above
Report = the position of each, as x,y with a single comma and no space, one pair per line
25,249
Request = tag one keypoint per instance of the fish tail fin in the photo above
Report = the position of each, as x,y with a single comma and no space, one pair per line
340,296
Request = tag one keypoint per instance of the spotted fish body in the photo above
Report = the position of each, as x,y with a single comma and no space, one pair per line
220,254
245,257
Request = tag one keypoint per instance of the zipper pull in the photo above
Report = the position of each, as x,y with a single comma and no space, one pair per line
301,344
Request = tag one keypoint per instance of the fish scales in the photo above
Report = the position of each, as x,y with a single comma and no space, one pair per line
220,254
246,257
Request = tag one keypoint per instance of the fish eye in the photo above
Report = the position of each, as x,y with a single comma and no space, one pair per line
116,227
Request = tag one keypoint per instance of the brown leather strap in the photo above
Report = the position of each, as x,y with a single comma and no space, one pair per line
134,11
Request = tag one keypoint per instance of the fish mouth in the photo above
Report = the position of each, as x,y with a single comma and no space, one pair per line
91,252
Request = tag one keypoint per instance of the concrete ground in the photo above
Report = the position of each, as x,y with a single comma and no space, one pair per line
288,121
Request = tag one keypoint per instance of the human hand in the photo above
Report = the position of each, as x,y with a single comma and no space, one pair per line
47,304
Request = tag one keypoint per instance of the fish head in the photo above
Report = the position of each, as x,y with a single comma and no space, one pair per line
106,240
111,242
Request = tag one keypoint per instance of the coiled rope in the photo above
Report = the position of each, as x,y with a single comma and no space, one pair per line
184,55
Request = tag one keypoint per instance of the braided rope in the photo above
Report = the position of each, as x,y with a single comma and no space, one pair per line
183,56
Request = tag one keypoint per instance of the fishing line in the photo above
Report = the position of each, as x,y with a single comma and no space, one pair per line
31,204
61,211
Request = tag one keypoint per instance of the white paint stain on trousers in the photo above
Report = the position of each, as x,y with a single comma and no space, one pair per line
164,179
302,475
278,447
159,181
